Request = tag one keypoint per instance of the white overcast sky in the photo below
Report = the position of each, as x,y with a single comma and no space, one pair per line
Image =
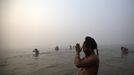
47,23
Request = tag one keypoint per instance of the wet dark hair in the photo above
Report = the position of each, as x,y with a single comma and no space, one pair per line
90,43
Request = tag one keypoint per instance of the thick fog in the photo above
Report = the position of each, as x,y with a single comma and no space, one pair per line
47,23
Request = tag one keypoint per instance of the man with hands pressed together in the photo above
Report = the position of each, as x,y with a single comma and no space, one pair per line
90,63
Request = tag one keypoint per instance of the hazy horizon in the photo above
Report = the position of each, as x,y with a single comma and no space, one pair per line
48,23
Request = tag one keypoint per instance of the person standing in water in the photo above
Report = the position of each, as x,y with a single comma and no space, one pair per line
70,47
57,48
36,52
90,63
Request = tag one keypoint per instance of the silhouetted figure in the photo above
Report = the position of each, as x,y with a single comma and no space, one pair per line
56,48
90,63
36,51
124,52
70,47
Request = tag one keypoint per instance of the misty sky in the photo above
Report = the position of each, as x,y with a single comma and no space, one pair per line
47,23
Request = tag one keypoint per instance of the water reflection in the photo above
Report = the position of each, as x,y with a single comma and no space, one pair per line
124,55
36,56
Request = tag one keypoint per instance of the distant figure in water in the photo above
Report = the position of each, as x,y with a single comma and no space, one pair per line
36,51
56,48
124,50
90,63
70,47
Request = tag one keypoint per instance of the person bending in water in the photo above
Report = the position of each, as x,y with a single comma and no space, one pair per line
90,63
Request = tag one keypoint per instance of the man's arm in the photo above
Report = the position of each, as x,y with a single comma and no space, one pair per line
77,59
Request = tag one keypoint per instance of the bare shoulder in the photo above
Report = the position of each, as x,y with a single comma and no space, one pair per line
88,61
92,58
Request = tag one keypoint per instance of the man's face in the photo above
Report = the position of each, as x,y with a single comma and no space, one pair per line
87,50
